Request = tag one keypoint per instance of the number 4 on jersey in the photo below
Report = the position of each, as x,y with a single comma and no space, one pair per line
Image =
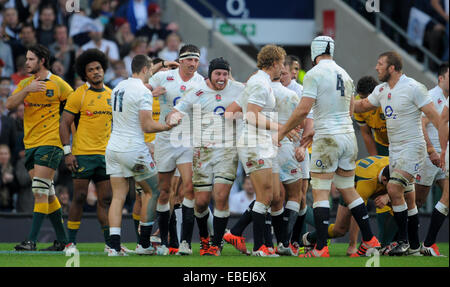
340,85
118,95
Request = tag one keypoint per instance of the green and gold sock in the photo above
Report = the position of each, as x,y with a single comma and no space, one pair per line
39,213
55,216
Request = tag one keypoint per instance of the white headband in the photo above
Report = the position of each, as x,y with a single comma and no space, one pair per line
189,55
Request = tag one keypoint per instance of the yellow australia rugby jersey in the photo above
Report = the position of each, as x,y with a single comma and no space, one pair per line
375,120
41,113
366,177
94,126
149,137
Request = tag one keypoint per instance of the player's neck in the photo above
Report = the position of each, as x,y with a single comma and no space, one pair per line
185,76
395,77
140,77
98,86
42,74
443,90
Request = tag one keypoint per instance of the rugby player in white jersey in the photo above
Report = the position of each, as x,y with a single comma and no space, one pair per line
403,100
440,210
290,171
127,155
329,89
255,148
431,171
173,152
215,154
292,64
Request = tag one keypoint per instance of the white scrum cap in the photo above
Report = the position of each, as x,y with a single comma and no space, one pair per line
322,45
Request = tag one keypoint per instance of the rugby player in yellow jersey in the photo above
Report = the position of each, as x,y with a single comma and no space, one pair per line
42,95
378,143
89,107
371,178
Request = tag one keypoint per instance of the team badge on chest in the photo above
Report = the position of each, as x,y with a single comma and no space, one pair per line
218,97
49,93
183,88
389,96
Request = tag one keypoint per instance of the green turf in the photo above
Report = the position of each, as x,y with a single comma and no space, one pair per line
91,256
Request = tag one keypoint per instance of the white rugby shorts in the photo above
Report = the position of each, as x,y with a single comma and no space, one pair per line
137,164
330,152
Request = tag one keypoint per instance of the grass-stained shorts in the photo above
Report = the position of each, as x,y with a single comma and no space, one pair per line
49,156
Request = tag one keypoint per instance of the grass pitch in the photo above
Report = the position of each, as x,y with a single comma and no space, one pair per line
91,255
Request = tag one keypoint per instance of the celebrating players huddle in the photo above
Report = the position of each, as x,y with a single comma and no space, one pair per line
207,127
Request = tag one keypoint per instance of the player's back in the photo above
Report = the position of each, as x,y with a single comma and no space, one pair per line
128,98
332,89
369,167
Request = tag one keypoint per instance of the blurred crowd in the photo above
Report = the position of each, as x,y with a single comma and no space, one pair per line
436,25
121,29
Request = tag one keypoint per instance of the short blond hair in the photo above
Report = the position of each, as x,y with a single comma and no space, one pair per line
270,54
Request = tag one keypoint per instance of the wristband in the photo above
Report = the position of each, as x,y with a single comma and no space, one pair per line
163,64
67,149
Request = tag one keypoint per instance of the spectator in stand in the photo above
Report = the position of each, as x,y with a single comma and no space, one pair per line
21,71
46,30
8,184
11,23
64,50
102,11
123,37
138,47
5,88
120,74
27,10
173,45
135,11
8,133
17,117
62,192
106,46
57,68
240,201
441,10
6,56
155,30
27,39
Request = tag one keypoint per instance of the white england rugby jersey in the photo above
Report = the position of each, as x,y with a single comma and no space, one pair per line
401,106
332,88
176,88
128,98
439,100
211,116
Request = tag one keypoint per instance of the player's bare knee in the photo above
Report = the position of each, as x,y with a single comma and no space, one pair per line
79,198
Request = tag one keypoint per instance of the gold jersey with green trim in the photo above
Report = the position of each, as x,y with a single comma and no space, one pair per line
93,130
42,111
376,121
367,174
149,137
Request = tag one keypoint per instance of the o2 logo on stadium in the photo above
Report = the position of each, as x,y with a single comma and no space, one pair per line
219,111
175,101
389,112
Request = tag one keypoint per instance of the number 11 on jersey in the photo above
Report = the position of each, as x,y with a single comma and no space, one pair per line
118,95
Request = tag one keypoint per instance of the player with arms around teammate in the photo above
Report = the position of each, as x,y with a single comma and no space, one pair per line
431,171
329,90
42,94
89,107
402,100
215,156
440,211
127,155
171,152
